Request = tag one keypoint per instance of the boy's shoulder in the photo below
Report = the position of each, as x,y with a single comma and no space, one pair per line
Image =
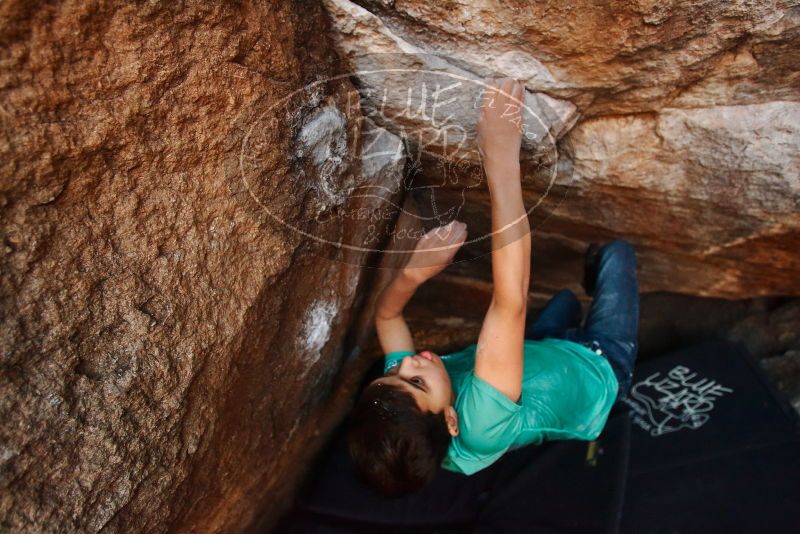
465,462
489,423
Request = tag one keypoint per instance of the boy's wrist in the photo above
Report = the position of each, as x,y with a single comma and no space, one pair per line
496,168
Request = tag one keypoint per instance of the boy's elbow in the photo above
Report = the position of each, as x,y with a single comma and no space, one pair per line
513,303
383,315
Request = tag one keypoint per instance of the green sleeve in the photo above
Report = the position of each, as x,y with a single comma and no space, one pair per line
489,422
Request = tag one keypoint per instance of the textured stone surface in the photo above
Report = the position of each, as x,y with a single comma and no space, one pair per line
626,58
183,291
711,196
681,132
169,349
785,371
433,113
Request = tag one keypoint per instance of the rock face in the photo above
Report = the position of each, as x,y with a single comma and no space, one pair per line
672,124
406,88
173,321
192,197
712,192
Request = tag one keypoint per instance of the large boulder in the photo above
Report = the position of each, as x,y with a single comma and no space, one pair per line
672,124
175,293
194,195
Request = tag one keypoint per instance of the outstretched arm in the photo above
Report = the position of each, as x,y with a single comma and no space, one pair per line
432,254
499,355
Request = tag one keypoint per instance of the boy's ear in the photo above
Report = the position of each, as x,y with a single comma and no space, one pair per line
451,416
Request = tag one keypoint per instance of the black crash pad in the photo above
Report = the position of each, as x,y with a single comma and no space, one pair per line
703,445
713,447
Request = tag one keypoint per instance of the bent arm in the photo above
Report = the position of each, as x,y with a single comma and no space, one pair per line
390,325
432,253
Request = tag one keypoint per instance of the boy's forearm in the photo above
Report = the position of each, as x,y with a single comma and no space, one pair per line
396,295
511,239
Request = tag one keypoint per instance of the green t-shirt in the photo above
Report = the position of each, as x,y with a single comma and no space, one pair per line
567,393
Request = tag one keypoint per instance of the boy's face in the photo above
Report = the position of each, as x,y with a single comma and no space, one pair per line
425,377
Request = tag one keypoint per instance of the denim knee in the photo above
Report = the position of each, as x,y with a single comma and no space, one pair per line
619,246
619,250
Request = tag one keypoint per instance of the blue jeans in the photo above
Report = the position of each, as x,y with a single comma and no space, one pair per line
612,323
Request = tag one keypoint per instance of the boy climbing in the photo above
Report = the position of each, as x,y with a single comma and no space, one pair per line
523,382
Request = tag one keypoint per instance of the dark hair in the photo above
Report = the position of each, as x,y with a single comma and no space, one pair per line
396,448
